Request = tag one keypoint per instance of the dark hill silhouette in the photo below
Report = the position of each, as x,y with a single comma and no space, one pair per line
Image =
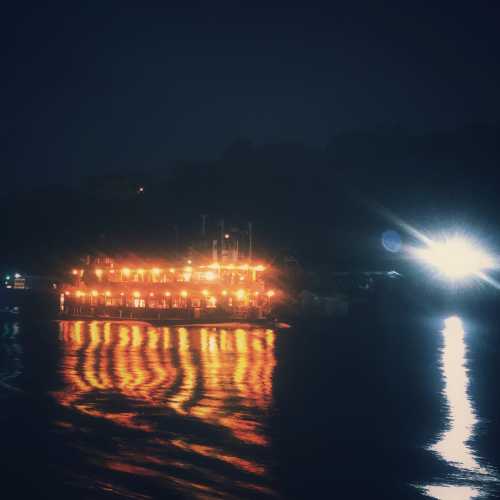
315,204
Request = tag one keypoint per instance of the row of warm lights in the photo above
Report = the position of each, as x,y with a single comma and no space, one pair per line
240,294
156,270
241,267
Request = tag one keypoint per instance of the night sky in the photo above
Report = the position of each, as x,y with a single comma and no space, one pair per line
112,87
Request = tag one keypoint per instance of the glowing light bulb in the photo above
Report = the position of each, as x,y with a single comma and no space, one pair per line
456,258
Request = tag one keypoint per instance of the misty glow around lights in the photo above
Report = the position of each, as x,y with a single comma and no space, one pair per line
473,260
205,285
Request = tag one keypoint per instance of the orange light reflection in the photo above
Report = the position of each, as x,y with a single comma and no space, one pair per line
221,378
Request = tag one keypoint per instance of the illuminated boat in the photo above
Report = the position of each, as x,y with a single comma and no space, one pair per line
166,291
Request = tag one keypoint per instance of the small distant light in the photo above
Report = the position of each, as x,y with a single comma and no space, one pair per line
94,293
240,294
184,293
172,269
227,236
140,189
137,294
17,275
167,294
204,292
108,293
270,293
189,261
151,294
67,293
224,292
74,272
7,277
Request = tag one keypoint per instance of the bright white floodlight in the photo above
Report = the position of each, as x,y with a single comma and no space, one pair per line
455,258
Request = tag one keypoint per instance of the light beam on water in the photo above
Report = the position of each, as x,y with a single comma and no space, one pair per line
454,444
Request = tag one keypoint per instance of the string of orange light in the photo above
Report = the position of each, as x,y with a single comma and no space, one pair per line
159,270
240,293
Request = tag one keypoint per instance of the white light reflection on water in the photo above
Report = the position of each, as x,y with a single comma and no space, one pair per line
453,446
456,492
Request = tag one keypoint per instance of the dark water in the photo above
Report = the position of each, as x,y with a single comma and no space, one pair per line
389,406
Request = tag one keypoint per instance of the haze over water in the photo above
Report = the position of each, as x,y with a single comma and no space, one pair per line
388,408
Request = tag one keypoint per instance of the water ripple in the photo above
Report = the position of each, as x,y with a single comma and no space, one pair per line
200,396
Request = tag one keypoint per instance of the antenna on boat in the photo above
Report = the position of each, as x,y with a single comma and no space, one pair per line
221,250
250,242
